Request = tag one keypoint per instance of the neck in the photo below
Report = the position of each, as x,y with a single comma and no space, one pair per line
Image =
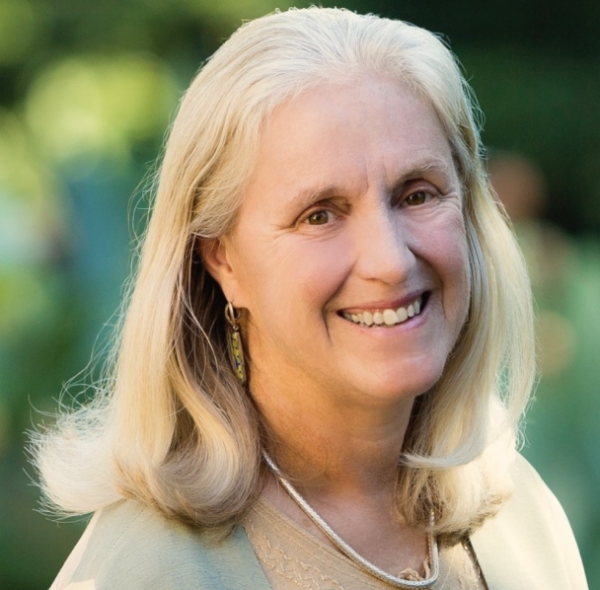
340,451
332,448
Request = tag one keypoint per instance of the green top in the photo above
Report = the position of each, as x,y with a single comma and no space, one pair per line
527,546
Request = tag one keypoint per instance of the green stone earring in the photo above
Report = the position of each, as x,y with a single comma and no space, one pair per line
236,352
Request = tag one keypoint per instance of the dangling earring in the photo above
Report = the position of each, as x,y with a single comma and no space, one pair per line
236,352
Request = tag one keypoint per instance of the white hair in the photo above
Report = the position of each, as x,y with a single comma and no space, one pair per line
173,427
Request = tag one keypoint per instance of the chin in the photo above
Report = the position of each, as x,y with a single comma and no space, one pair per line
402,382
397,388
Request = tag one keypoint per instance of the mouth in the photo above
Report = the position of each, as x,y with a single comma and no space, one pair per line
389,317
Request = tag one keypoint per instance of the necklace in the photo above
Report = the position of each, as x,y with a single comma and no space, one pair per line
348,551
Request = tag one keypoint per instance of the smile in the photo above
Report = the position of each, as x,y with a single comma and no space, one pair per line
387,317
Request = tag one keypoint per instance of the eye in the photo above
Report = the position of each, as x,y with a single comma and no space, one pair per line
320,217
417,198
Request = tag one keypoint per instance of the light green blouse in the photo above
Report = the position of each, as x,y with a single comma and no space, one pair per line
527,546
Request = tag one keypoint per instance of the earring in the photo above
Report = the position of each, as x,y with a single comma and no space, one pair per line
236,352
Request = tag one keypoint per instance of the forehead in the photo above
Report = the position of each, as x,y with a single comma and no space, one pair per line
348,134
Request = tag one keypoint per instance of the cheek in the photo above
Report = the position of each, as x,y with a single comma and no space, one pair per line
321,270
455,257
457,275
449,256
292,275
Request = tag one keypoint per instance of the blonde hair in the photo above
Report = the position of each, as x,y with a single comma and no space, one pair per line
172,427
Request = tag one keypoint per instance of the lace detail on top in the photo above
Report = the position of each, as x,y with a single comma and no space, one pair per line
292,558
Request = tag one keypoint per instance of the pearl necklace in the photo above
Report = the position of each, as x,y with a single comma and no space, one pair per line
348,551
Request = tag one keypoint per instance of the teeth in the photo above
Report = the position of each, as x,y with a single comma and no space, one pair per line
388,317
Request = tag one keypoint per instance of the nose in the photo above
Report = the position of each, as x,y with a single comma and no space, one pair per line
382,246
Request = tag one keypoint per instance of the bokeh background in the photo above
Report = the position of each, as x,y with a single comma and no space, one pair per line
87,90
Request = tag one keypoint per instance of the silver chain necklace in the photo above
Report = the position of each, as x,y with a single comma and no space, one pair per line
348,551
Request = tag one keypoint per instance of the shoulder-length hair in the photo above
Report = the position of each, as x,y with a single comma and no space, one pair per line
173,427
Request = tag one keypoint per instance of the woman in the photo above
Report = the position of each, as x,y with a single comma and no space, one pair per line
322,221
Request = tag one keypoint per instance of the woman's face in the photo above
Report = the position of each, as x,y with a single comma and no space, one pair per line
349,256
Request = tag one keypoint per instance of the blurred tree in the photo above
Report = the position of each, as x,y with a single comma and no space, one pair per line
565,276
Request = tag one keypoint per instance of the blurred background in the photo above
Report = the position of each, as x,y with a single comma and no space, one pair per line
87,90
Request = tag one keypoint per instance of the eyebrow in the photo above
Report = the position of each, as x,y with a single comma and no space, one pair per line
430,165
320,193
315,194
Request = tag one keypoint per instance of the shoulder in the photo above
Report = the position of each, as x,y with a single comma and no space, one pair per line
134,547
529,543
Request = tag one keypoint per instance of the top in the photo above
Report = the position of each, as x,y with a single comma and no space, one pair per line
528,545
293,558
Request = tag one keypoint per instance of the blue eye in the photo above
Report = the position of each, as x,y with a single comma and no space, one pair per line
318,218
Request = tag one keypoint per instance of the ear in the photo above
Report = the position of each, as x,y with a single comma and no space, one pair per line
216,258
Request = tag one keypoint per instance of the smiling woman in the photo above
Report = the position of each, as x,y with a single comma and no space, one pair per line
328,345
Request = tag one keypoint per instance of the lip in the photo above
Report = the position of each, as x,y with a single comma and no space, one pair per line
388,304
384,333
